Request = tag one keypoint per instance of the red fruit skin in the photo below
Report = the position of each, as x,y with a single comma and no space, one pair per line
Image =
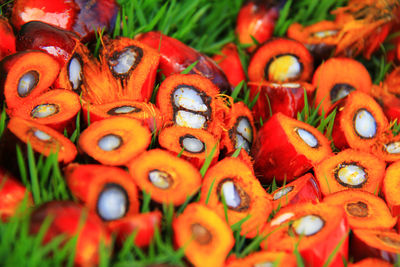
143,225
390,105
83,17
148,85
392,112
273,99
229,62
176,57
318,255
360,250
55,41
7,43
56,12
275,156
394,54
376,40
338,137
308,192
398,225
70,219
256,19
12,194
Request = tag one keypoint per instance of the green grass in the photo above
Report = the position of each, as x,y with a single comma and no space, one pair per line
19,248
305,12
378,67
42,176
3,120
312,115
395,127
201,24
3,5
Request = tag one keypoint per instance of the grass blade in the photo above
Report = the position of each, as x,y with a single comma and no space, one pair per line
33,175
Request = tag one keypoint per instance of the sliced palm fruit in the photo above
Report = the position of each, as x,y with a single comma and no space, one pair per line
336,78
302,189
281,60
387,147
371,262
207,237
109,191
73,221
44,140
56,108
240,131
12,195
363,209
264,259
189,100
359,122
26,75
383,244
133,65
320,38
71,74
350,169
194,145
147,113
287,98
114,141
142,225
315,229
126,71
231,182
286,148
243,156
167,178
391,183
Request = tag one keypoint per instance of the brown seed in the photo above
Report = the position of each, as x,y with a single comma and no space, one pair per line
201,234
358,209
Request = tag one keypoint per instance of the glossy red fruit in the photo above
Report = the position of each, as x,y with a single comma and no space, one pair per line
12,195
81,16
303,189
377,243
71,219
7,43
287,98
176,57
256,19
286,148
56,41
142,225
229,62
319,232
57,12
